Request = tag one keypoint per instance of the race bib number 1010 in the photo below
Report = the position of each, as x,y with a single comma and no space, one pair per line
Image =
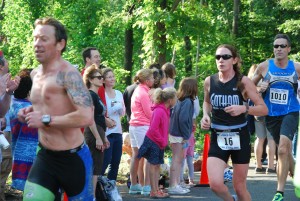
279,96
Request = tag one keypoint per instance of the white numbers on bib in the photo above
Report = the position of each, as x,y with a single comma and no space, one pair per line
279,96
229,140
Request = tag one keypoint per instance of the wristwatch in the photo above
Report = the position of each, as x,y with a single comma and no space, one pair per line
46,119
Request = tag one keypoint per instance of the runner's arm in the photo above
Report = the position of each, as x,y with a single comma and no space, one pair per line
81,99
259,108
205,121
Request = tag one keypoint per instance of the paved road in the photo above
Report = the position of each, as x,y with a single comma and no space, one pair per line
261,188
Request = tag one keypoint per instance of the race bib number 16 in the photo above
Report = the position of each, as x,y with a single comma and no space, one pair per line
229,140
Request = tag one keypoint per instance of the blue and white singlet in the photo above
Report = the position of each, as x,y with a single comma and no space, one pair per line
281,96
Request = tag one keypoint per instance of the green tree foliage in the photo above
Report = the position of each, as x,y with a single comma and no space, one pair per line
291,24
188,26
16,29
102,23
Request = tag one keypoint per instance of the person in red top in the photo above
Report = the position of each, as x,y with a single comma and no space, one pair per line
156,138
91,56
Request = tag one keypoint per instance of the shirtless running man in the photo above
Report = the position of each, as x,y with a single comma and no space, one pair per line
61,105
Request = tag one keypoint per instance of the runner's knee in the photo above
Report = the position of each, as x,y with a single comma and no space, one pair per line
35,192
217,186
283,150
285,146
240,187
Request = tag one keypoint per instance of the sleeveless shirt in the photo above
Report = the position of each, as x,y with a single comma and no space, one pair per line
281,96
223,95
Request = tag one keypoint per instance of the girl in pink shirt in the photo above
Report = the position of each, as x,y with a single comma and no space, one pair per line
157,137
141,114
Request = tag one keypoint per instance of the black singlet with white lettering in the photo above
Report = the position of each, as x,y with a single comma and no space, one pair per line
223,95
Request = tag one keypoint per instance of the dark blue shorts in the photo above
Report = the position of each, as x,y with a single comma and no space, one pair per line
70,170
151,151
285,125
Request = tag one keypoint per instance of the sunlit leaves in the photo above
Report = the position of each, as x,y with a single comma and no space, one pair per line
291,26
17,29
102,23
290,4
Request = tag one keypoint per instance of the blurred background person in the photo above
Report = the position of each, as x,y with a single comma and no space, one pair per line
170,72
24,139
6,164
261,135
181,127
115,110
128,94
189,152
7,85
159,78
156,138
95,134
141,114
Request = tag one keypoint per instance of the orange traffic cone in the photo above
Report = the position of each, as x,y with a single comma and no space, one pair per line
204,177
65,197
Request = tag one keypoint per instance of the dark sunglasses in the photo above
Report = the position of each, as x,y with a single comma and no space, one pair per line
99,77
282,46
223,56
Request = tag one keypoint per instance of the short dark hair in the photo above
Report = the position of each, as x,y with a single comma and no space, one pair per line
86,53
158,75
60,30
284,36
155,65
25,84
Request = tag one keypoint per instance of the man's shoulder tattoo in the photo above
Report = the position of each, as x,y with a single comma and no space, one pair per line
74,85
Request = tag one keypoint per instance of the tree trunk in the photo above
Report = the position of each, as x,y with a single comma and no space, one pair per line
175,4
251,35
1,9
197,56
188,57
128,63
236,6
160,37
2,5
173,55
203,2
128,54
160,32
162,42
